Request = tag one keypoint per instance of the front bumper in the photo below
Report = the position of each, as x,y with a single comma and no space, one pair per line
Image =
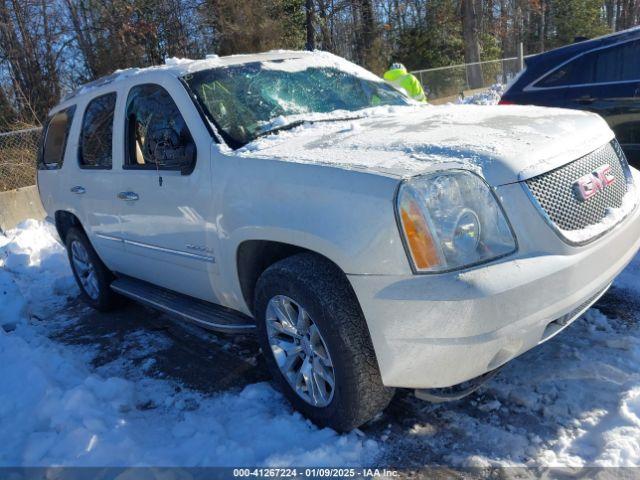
433,331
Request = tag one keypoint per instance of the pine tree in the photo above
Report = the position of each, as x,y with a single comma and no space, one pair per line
577,19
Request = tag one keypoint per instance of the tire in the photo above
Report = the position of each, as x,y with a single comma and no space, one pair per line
94,287
322,290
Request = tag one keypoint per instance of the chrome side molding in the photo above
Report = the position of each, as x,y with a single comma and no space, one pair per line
171,251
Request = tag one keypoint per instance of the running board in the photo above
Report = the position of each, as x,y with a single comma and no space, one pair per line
205,314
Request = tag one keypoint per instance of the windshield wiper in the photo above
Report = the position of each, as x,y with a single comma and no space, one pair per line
297,123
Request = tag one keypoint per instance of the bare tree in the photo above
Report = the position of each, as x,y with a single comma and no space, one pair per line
49,46
31,46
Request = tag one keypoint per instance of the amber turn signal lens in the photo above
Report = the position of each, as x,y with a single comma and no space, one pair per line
419,239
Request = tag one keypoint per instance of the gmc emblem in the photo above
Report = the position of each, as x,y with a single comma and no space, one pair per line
592,183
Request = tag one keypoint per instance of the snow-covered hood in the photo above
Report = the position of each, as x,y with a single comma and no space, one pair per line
504,143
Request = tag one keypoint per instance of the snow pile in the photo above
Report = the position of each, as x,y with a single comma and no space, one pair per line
57,409
31,251
491,96
586,394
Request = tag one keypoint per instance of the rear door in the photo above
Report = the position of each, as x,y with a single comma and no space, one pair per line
92,178
165,192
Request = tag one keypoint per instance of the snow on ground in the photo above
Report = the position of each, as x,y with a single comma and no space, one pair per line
574,401
56,409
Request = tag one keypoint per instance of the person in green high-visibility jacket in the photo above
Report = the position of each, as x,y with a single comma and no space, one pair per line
398,76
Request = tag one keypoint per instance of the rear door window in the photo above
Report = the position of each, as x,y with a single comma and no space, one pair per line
96,137
55,138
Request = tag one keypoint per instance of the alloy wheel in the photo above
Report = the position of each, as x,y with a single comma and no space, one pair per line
85,270
300,351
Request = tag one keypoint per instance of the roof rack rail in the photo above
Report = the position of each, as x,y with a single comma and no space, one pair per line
96,83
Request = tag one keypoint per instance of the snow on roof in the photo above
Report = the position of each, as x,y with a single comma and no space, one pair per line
285,60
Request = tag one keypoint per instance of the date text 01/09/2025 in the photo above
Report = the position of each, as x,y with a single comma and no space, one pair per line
314,472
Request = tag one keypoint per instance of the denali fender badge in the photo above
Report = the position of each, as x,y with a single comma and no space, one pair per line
199,248
589,185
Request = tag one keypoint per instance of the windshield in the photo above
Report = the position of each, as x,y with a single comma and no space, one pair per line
245,101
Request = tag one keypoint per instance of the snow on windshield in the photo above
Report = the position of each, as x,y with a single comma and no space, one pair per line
244,100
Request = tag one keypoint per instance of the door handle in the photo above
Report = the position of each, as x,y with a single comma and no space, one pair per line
586,100
637,92
128,196
78,190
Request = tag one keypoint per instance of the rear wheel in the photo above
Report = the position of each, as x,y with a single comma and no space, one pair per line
316,342
92,276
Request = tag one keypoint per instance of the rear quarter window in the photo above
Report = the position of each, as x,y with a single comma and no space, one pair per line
54,139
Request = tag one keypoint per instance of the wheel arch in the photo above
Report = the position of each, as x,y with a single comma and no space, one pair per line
64,220
253,257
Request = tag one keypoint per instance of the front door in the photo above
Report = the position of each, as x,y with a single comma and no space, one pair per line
165,192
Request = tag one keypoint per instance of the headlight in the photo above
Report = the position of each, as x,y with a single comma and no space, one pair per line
452,220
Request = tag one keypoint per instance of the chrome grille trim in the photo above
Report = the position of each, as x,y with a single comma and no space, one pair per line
567,318
552,192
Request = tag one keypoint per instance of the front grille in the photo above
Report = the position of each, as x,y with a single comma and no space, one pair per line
555,191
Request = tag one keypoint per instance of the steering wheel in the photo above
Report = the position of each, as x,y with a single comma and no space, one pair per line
161,141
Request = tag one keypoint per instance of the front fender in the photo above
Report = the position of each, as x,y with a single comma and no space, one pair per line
345,215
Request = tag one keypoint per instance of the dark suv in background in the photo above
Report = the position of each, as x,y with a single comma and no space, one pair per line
600,75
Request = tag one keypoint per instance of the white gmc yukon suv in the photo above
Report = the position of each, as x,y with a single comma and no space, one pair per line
371,242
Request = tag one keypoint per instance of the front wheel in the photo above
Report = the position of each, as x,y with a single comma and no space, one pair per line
92,276
316,342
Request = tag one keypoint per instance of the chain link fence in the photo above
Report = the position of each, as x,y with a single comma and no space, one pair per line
446,82
18,153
